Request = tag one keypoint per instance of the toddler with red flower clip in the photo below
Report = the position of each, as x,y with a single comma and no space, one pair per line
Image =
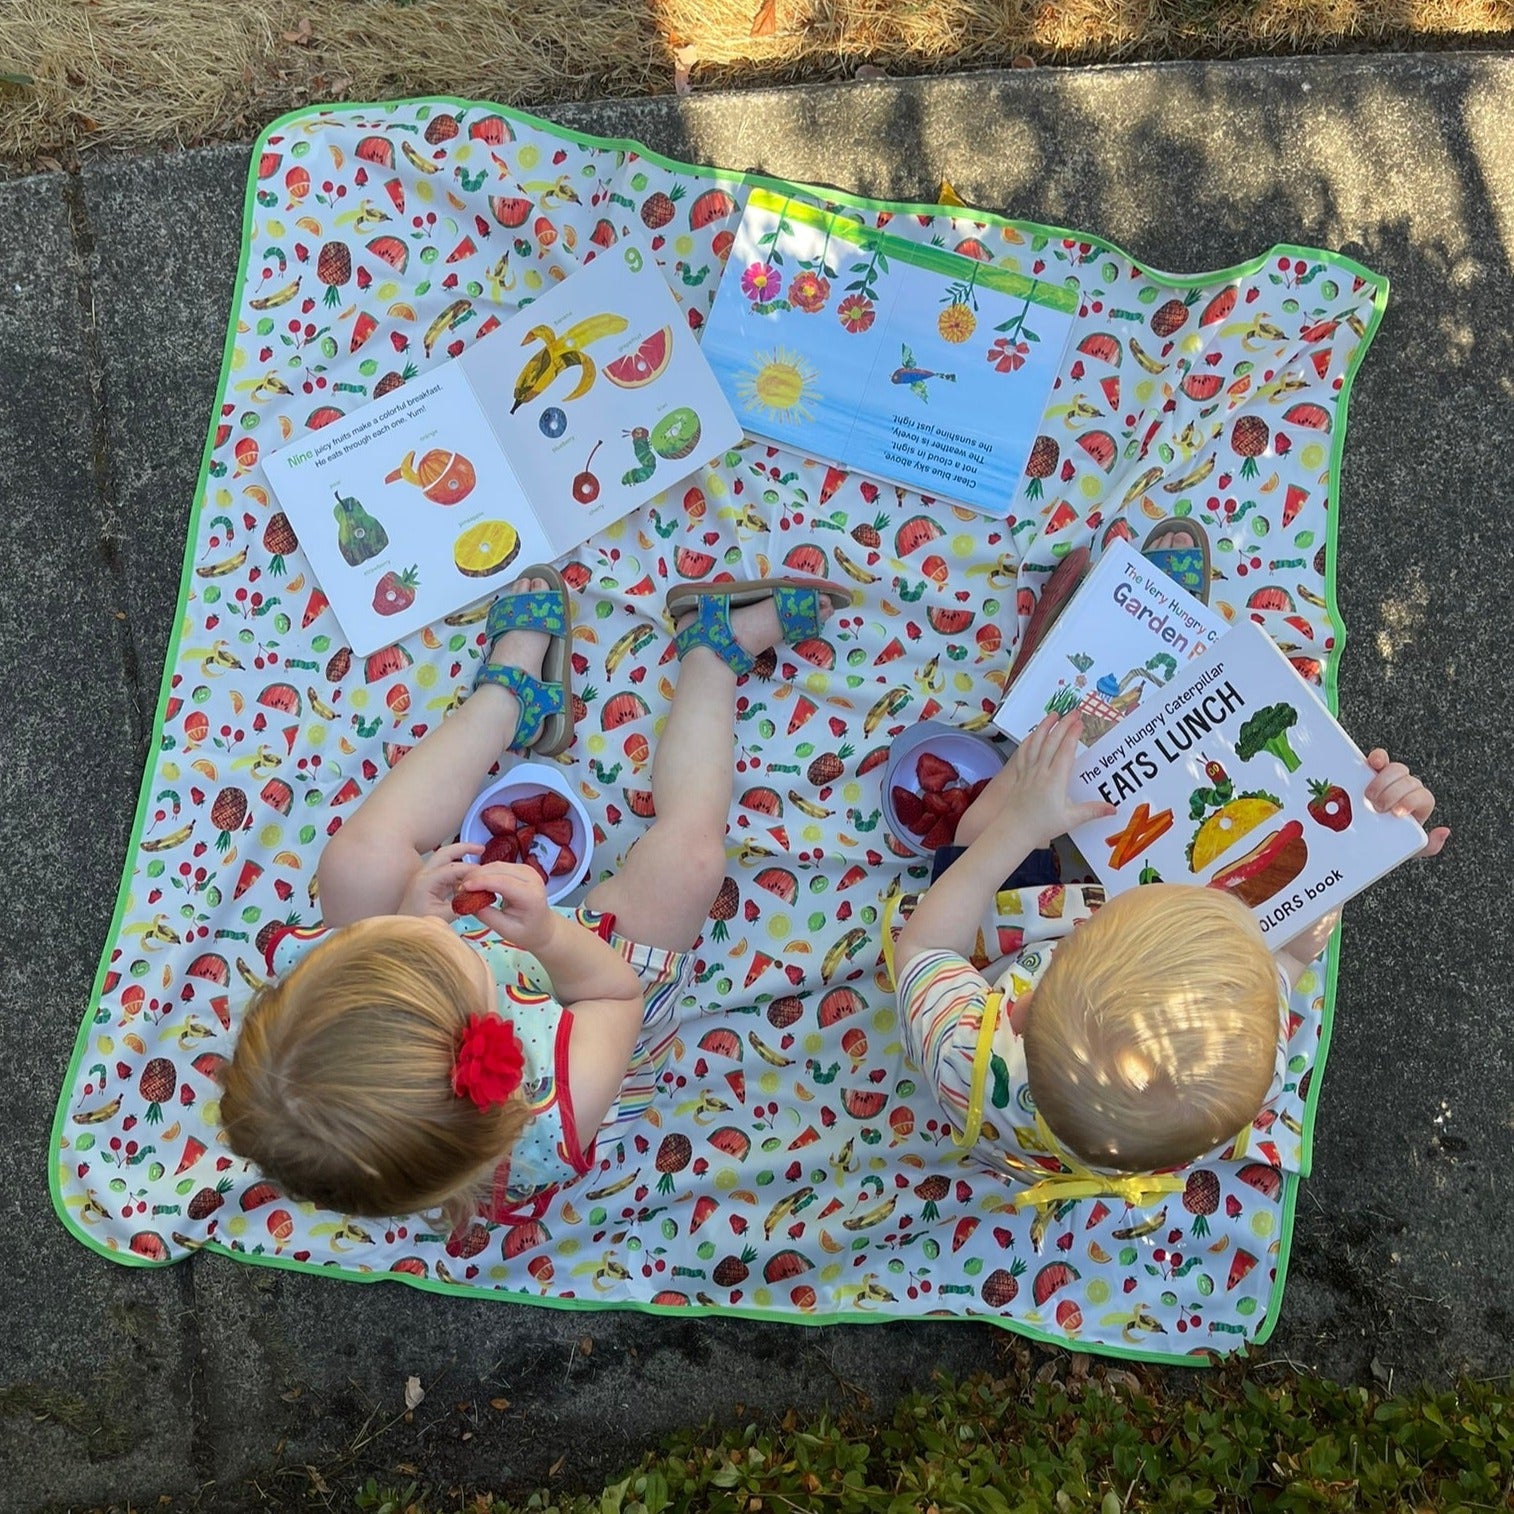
408,1061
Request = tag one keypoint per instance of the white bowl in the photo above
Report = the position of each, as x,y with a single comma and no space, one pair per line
519,781
973,756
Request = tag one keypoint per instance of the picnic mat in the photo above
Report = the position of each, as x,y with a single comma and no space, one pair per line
791,1168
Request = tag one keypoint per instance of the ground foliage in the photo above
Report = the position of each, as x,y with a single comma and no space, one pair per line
1109,1443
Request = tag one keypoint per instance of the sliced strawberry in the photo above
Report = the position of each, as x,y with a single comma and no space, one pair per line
975,789
553,806
907,805
937,803
528,811
559,831
498,819
923,824
470,901
524,838
957,800
500,849
934,773
940,834
535,864
567,860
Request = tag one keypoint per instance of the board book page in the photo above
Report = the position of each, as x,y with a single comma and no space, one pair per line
581,407
1237,777
1127,632
920,366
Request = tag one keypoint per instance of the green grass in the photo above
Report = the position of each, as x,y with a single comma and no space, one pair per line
1233,1443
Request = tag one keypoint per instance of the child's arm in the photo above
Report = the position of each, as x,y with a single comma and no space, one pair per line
588,977
1392,788
1025,806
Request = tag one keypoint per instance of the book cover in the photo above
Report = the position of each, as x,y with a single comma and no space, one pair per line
1237,777
585,404
918,366
1127,632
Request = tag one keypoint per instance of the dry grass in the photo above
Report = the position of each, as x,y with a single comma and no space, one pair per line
140,73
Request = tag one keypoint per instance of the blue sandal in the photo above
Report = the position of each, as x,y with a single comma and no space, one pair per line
546,703
797,601
1186,566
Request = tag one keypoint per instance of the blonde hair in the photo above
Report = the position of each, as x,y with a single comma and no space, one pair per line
1153,1035
340,1087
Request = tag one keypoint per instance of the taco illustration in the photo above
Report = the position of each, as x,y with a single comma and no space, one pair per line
1221,830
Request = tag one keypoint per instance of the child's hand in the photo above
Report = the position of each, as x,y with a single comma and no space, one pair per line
438,878
522,915
1396,789
1033,786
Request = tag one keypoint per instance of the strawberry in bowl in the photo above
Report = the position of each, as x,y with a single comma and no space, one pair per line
934,772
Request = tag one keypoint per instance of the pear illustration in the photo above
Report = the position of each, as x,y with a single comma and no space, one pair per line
359,535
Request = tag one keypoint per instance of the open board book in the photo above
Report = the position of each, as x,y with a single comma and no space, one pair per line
575,411
919,366
1235,776
1127,631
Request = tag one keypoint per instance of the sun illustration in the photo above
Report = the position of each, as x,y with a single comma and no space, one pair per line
781,386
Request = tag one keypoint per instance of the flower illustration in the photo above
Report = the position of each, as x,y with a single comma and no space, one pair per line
761,282
957,322
808,292
856,313
1006,356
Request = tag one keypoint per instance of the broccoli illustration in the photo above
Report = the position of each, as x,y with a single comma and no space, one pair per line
1267,731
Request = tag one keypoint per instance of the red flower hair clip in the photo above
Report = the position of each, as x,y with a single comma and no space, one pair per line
489,1061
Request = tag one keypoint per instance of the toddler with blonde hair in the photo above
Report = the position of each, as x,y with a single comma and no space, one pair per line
407,1060
1109,1038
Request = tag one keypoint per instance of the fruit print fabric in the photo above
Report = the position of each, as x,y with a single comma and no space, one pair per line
790,1167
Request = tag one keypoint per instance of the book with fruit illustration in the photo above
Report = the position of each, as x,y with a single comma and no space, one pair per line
1235,776
920,366
581,407
1127,632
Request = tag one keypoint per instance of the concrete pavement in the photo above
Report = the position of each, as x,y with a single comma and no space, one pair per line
221,1382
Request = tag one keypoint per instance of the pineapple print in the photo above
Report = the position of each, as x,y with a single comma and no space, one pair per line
441,129
828,766
156,1085
930,1189
1044,457
1169,318
658,208
724,908
672,1156
392,381
732,1270
227,814
870,533
280,540
333,267
208,1200
1249,437
1201,1196
1000,1287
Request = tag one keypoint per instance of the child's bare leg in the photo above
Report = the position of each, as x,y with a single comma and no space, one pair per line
662,895
420,803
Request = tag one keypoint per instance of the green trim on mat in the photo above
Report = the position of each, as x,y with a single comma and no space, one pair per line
839,197
1063,297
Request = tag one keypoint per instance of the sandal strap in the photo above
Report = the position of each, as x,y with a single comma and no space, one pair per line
798,607
1184,565
537,700
532,610
711,627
